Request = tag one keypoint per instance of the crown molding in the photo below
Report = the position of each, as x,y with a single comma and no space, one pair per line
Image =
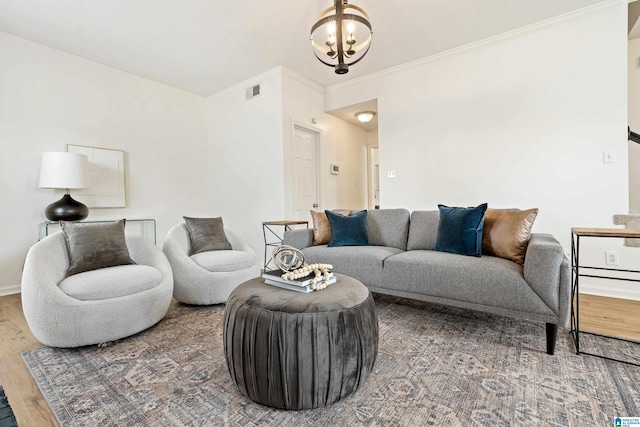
302,79
89,62
248,82
518,32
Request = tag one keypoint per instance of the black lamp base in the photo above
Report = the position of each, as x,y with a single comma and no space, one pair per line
66,209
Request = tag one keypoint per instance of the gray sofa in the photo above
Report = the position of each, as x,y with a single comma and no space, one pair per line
401,261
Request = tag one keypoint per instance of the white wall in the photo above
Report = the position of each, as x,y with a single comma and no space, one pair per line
634,122
372,138
520,120
250,144
517,121
593,249
345,145
246,157
341,143
49,99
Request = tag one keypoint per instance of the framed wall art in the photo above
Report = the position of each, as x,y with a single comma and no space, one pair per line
106,168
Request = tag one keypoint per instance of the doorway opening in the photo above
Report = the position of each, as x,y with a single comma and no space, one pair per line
348,114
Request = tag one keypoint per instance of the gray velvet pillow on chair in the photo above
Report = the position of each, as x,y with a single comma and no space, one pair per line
207,234
94,246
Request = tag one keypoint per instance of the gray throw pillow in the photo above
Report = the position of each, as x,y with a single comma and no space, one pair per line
207,234
95,245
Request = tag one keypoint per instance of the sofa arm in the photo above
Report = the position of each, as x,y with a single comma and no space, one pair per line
547,271
299,239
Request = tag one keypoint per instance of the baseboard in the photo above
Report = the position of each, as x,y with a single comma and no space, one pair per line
602,291
9,290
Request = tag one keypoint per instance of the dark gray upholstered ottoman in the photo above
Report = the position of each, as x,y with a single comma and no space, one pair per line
291,350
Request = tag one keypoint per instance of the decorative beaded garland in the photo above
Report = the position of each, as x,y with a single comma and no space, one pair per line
320,271
291,261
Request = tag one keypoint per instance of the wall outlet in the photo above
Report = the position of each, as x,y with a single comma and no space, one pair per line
611,258
391,174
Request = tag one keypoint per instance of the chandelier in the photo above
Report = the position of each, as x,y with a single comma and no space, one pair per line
341,39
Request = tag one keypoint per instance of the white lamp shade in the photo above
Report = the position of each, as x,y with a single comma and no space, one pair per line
64,170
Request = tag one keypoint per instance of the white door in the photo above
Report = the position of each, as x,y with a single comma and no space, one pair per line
305,173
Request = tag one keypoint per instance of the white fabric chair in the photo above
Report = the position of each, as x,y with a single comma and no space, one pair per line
96,306
208,277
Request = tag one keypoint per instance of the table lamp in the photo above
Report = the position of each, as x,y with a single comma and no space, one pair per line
65,170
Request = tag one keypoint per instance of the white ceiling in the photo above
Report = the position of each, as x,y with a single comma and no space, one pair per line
348,114
203,46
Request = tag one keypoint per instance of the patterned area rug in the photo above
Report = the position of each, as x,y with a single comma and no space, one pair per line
436,366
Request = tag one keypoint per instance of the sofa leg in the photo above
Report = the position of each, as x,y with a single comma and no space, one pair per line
552,333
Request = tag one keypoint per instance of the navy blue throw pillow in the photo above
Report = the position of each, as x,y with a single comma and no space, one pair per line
348,230
460,230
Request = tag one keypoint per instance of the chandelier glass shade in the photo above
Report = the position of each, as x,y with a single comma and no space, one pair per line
341,36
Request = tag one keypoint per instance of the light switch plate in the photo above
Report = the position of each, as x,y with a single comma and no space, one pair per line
608,156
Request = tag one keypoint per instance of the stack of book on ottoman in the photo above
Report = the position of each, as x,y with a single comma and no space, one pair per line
302,284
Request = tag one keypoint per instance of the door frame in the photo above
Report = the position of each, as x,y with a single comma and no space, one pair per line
318,134
370,180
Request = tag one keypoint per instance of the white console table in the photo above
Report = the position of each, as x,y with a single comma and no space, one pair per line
145,227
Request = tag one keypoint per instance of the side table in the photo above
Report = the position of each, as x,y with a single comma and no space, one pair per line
598,273
273,236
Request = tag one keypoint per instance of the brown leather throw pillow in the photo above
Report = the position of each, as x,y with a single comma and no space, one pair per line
507,232
321,226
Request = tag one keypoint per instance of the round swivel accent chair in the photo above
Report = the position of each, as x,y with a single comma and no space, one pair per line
208,277
95,306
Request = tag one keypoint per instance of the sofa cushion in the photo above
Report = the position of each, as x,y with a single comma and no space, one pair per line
487,281
389,227
224,261
348,230
506,233
364,263
423,230
93,246
207,234
111,282
460,230
321,226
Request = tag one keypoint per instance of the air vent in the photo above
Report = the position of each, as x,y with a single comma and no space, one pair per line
253,91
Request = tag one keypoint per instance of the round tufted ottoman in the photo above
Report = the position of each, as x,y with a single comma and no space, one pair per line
291,350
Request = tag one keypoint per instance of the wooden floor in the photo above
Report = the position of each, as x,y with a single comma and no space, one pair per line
608,316
23,394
